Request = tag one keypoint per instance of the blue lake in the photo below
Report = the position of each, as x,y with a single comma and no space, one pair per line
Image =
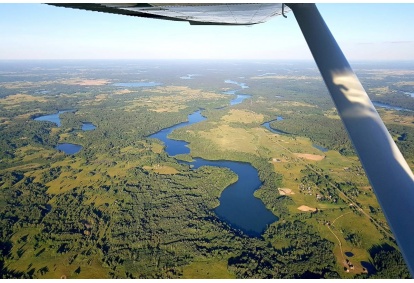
54,118
238,206
242,85
88,126
69,148
239,99
189,76
138,84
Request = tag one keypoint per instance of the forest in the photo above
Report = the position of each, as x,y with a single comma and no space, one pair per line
123,208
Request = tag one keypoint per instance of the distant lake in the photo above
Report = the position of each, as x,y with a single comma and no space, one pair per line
239,99
138,84
242,85
230,91
387,106
189,76
88,126
54,118
266,74
69,148
409,93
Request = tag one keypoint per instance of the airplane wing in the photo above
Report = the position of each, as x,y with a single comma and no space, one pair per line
386,168
195,13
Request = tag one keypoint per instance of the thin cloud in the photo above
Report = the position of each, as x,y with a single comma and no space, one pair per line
399,42
387,42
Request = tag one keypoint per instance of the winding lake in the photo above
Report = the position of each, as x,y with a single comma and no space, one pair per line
238,206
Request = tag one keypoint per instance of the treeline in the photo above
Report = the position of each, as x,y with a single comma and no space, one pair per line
323,131
303,257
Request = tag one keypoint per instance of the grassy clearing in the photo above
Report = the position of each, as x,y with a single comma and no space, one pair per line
392,117
171,99
242,116
210,269
19,98
29,154
162,169
49,263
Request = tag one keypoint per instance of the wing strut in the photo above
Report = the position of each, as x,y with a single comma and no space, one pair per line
386,168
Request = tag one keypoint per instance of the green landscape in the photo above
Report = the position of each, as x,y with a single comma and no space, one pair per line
121,207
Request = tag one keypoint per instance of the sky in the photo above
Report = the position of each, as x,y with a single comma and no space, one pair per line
39,31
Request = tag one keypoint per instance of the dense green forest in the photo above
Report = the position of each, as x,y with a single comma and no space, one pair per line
122,208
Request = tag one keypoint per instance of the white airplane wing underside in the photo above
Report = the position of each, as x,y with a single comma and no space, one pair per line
194,13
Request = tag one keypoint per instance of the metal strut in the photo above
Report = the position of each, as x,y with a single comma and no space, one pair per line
386,168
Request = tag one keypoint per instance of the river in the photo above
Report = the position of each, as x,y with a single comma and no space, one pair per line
238,206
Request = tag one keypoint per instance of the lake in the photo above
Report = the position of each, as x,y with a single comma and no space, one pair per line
242,85
88,126
54,118
275,131
138,84
238,206
68,148
189,76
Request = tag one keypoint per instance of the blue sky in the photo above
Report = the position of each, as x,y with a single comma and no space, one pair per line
38,31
